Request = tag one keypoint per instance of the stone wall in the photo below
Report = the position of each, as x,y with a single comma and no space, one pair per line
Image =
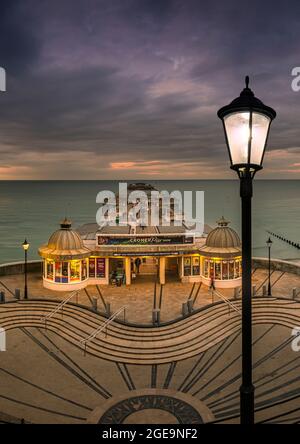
18,267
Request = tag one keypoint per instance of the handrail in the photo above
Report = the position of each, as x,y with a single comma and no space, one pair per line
59,306
102,327
8,289
197,292
191,292
226,300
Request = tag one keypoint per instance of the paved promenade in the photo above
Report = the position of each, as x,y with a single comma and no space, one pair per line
193,364
139,297
47,377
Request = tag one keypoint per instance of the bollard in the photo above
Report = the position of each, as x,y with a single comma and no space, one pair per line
264,290
294,293
158,316
190,304
155,316
108,309
2,297
253,291
184,309
94,304
236,292
17,293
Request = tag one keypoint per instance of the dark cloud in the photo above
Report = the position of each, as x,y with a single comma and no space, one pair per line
19,46
97,85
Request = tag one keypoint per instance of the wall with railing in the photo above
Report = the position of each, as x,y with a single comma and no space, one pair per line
18,267
277,264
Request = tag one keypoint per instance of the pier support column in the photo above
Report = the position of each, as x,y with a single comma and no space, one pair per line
128,270
162,270
180,267
107,270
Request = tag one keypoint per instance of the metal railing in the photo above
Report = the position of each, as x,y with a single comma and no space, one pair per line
8,289
226,300
60,306
103,327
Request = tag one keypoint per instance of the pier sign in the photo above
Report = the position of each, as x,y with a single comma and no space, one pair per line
144,240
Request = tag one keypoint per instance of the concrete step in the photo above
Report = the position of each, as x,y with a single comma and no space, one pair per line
120,345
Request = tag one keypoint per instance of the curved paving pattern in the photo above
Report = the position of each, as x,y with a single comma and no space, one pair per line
149,406
126,344
45,377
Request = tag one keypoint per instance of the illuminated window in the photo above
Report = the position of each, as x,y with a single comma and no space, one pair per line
231,270
61,272
211,269
58,275
83,269
196,265
218,274
237,269
206,268
224,270
74,271
187,266
49,270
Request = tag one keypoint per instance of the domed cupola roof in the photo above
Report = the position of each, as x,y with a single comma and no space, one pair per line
222,241
64,244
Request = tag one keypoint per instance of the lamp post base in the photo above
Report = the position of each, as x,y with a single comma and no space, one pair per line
247,404
269,290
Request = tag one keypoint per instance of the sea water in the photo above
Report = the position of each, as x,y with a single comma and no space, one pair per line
33,209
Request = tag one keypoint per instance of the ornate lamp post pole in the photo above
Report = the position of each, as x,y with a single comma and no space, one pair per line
246,121
25,246
269,244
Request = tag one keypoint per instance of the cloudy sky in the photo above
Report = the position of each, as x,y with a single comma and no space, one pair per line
129,89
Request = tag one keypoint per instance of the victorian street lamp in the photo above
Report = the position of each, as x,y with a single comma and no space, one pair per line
269,244
25,246
246,121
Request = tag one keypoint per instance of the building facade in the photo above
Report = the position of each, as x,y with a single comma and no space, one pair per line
118,255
